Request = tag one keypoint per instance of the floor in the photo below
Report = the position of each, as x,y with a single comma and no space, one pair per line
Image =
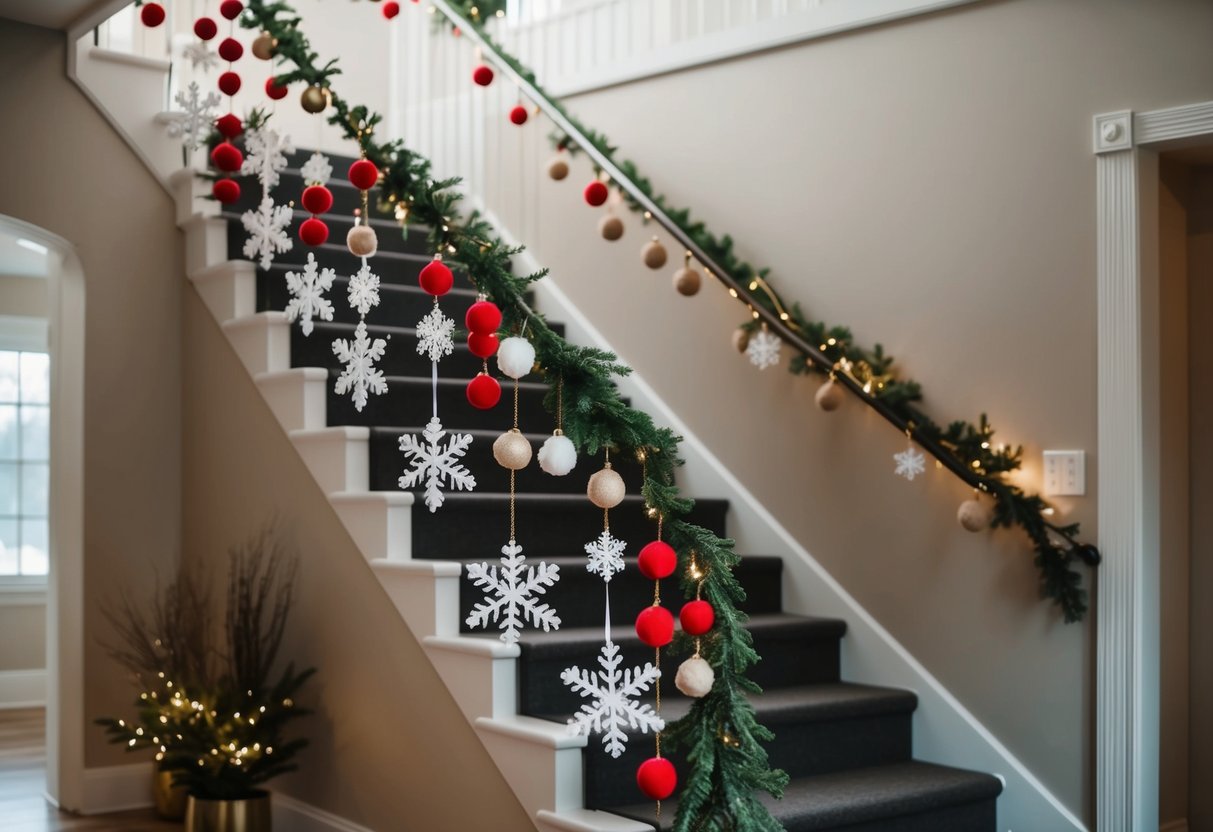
23,779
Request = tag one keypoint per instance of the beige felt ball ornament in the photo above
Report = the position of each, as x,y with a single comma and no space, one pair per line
654,254
362,241
695,677
974,515
512,450
610,227
606,488
829,396
687,281
558,168
741,339
264,46
313,99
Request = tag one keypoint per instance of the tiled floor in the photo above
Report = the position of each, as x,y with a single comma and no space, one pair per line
23,779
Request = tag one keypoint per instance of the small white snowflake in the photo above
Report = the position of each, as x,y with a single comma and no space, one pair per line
436,463
614,692
316,170
510,595
265,155
910,463
307,290
360,375
434,335
606,556
192,122
267,231
763,350
199,55
363,289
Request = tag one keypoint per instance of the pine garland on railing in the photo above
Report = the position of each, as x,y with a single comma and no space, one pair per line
970,445
721,732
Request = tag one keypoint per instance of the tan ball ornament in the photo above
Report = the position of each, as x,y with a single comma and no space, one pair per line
606,488
610,227
974,515
558,168
687,281
264,46
654,254
313,99
362,241
741,339
512,450
829,396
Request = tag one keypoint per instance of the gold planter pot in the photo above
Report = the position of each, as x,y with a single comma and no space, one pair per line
170,799
248,815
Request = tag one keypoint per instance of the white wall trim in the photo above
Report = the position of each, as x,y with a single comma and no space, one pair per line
22,689
1128,597
297,816
116,788
23,592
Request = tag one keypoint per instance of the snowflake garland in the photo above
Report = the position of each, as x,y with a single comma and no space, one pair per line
265,155
316,170
910,463
307,290
199,55
360,376
193,122
363,290
763,349
434,335
267,231
436,464
606,556
614,693
510,595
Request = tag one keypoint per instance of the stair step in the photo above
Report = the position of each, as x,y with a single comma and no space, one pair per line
400,357
903,797
391,237
408,401
477,525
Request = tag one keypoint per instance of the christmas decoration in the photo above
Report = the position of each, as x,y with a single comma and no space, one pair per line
829,396
687,281
657,778
558,456
482,344
910,463
263,47
655,626
511,450
266,227
391,9
190,124
313,99
482,75
229,83
313,232
654,254
695,677
696,617
267,156
274,91
228,125
205,28
231,50
227,157
606,488
231,9
610,227
317,170
483,316
436,464
974,515
518,115
308,290
363,290
435,278
510,594
515,357
741,340
483,392
152,14
763,349
657,560
595,193
317,199
363,174
360,376
226,191
362,241
434,335
614,693
606,555
558,169
199,56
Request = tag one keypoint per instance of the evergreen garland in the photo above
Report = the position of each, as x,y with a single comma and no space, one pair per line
721,733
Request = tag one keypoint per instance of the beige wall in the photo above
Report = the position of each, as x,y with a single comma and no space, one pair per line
65,170
930,183
24,296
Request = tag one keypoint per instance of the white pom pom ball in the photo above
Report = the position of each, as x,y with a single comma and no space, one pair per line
974,515
558,456
515,357
695,677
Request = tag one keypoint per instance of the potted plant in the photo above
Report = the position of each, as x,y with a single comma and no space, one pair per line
220,733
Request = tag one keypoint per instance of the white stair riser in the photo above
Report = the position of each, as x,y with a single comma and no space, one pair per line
205,242
429,604
297,399
381,530
482,686
337,460
229,291
189,193
536,773
264,346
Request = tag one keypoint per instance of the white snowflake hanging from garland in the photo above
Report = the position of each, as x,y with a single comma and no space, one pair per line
435,463
360,376
510,595
434,335
193,121
267,231
763,349
316,170
614,708
265,155
199,55
307,290
910,463
606,556
363,291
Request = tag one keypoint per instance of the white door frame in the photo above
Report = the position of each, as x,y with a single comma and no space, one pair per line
1128,599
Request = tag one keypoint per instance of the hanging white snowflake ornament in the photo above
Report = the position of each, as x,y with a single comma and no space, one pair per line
910,463
316,170
265,155
511,594
307,290
360,376
192,123
614,692
606,556
363,292
763,349
435,463
267,231
434,335
200,56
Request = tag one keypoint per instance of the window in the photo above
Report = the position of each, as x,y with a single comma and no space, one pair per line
24,462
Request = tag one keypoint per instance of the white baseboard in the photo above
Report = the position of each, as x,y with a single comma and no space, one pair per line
1180,825
297,816
116,788
22,689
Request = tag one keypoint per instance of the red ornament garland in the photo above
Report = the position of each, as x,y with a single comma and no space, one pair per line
363,174
518,115
436,279
152,15
317,199
482,344
313,231
205,28
483,392
231,9
482,75
274,91
229,83
226,191
596,193
657,560
657,778
231,50
391,9
227,157
229,126
483,316
482,320
697,617
655,626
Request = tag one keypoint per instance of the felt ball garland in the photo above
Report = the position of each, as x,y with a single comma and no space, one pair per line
275,91
205,28
229,126
657,560
558,168
697,617
558,456
595,193
435,278
482,320
227,157
483,391
830,395
313,231
656,778
229,83
226,191
655,626
482,75
482,344
518,115
231,50
391,9
152,15
231,9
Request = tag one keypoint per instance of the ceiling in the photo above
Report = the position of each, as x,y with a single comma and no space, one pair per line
53,14
20,257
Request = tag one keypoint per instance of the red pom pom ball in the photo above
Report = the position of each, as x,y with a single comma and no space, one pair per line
657,778
313,232
226,190
227,157
274,91
229,83
436,279
483,317
518,115
482,75
231,9
655,626
391,9
596,193
231,50
483,391
152,14
657,560
205,28
697,617
229,126
364,174
317,199
482,344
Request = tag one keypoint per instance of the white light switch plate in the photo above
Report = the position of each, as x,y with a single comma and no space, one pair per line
1065,474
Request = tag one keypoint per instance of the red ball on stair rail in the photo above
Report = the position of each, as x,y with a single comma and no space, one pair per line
274,91
655,626
152,14
313,232
482,75
391,9
229,126
697,617
205,28
229,83
483,316
656,778
596,193
483,392
227,157
363,174
436,279
226,191
657,560
317,199
482,344
231,9
518,115
231,50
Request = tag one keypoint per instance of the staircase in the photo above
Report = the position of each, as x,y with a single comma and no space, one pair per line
847,747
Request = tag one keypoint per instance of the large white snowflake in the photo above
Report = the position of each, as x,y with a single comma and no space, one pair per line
510,595
910,463
307,290
364,289
614,707
265,155
192,122
316,170
606,556
267,231
199,55
436,463
434,335
763,350
360,376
